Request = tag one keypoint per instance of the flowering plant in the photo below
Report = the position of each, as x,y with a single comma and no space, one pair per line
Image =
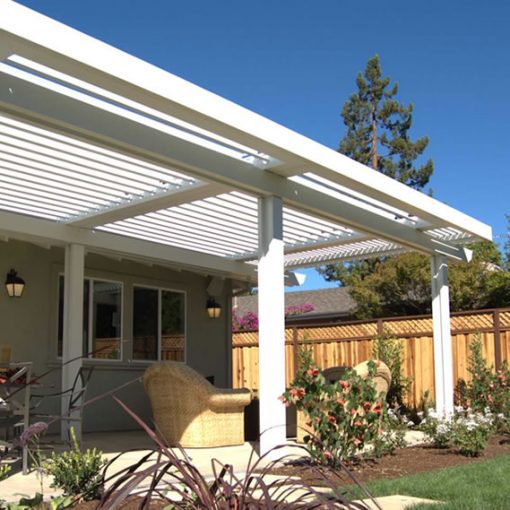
488,389
467,430
437,428
250,320
471,430
343,416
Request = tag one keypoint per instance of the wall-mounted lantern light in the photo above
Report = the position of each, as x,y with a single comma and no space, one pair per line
14,284
213,308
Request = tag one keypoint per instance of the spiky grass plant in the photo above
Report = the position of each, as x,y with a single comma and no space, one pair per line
170,476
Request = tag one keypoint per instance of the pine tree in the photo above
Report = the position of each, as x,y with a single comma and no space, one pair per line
378,136
378,129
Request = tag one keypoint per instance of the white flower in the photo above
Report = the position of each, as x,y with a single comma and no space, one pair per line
471,425
459,409
442,428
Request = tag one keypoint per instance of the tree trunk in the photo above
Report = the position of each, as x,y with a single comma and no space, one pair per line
374,139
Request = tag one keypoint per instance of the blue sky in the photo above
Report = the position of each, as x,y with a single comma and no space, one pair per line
295,61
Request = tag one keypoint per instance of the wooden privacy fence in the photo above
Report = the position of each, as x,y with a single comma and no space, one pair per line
349,343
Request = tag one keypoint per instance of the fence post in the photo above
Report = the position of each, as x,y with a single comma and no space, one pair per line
497,339
295,346
380,327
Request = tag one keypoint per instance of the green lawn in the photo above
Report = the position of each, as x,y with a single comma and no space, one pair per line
482,486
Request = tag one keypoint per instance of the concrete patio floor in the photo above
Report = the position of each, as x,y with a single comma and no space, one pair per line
112,443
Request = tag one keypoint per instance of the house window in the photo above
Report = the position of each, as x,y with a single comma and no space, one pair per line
102,318
158,324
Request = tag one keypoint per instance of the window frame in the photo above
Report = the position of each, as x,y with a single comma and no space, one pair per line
90,323
160,290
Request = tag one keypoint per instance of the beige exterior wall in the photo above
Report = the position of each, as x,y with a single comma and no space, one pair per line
29,325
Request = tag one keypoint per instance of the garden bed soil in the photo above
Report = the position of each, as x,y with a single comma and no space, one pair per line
405,461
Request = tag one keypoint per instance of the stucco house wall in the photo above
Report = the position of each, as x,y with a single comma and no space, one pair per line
29,325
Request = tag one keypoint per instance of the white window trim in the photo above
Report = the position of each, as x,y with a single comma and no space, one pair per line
91,280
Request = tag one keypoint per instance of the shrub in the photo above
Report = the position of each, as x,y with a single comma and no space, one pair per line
488,389
471,430
391,351
467,430
438,429
77,473
344,416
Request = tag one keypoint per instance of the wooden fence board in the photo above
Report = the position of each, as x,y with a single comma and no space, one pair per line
351,343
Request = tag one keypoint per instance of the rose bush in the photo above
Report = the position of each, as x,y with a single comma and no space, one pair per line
343,416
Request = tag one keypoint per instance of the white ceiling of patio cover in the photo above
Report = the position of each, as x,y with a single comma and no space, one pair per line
53,176
50,170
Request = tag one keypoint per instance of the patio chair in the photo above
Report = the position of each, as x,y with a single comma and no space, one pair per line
189,411
381,380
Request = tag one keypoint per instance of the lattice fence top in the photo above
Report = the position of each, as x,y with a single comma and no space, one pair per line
407,326
472,322
476,321
245,338
172,341
504,319
341,331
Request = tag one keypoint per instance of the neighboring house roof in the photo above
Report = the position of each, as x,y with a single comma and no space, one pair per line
327,303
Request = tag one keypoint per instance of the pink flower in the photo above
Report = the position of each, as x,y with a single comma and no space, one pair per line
356,441
331,419
328,454
344,384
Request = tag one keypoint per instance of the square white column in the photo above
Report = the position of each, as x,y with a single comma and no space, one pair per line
271,303
73,326
443,362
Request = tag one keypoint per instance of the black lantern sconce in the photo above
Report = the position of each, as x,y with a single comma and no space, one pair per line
14,285
213,308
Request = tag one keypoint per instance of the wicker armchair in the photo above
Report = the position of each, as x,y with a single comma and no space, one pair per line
381,380
189,411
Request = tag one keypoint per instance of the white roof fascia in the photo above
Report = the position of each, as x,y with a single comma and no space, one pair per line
18,226
35,36
104,127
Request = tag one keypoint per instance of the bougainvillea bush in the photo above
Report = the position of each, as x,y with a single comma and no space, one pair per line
344,416
250,320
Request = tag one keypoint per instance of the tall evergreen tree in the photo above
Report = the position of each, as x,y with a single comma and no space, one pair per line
378,129
378,136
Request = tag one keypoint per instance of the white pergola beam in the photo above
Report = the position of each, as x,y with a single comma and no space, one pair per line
443,361
203,163
42,39
72,346
18,226
271,324
136,207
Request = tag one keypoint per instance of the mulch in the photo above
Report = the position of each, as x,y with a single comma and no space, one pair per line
405,461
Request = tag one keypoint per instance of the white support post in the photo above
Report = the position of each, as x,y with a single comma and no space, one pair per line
73,327
271,324
443,364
